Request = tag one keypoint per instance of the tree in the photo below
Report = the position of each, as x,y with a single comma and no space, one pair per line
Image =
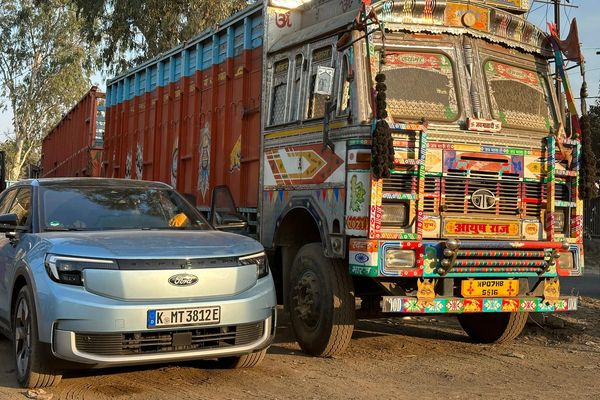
43,71
130,32
594,114
591,150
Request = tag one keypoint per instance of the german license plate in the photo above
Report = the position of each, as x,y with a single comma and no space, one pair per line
184,316
490,288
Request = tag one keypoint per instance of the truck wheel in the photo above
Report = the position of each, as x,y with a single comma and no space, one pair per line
33,358
244,361
321,302
493,328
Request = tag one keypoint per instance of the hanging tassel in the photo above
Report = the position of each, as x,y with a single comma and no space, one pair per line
383,144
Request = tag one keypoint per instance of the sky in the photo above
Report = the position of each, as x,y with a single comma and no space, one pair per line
588,20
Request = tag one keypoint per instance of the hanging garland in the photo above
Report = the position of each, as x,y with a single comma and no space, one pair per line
382,160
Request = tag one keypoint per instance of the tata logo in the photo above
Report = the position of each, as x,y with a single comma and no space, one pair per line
483,199
361,258
183,280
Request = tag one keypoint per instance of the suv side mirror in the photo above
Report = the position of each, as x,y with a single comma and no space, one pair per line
8,222
8,225
223,213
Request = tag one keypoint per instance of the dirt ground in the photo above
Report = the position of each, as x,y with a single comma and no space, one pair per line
416,358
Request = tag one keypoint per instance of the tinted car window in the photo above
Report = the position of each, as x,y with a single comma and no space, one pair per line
100,208
22,206
7,200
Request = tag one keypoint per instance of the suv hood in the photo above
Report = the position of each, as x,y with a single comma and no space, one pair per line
124,244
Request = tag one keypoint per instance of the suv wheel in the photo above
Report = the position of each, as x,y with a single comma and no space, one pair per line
33,358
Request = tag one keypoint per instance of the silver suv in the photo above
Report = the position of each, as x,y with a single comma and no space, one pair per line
105,272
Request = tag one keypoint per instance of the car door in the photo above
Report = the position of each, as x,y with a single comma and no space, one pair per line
17,201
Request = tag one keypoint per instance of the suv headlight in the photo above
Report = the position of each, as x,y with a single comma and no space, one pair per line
65,269
260,260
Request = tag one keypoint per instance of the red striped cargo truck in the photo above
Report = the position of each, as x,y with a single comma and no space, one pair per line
74,146
402,157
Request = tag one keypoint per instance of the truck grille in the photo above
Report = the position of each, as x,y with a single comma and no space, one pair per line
500,261
129,343
459,186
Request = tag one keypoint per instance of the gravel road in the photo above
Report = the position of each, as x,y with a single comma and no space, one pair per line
416,358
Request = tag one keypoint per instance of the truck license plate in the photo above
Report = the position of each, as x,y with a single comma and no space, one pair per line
184,316
490,288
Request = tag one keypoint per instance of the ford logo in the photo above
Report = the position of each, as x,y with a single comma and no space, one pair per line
361,258
183,280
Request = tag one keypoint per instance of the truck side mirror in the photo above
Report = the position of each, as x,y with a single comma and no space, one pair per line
223,213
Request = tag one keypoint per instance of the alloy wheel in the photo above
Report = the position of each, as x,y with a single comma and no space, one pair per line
22,336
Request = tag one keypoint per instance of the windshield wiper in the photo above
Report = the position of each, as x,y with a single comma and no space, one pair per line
63,229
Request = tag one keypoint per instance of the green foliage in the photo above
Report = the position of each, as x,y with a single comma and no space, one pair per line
130,32
594,114
43,72
590,126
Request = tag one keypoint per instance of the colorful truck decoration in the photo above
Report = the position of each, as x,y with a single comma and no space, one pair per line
405,156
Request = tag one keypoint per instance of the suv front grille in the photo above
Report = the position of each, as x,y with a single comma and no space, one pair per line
148,342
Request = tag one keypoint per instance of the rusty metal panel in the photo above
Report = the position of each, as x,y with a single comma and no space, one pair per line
71,147
191,117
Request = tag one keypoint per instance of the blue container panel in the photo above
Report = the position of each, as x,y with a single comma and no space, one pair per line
178,66
141,83
238,40
164,72
257,31
207,57
190,68
153,77
201,54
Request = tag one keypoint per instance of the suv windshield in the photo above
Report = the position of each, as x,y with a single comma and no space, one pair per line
100,208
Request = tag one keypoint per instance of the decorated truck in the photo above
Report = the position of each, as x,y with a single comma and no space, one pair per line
395,157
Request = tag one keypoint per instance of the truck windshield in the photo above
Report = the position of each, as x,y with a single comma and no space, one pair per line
420,85
519,97
101,208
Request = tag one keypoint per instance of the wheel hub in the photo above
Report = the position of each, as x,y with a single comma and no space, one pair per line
306,299
22,337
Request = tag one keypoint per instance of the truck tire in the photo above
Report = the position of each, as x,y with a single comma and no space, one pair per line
33,359
493,327
322,304
245,361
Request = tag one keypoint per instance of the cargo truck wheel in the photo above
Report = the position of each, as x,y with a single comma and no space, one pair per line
321,302
493,328
33,358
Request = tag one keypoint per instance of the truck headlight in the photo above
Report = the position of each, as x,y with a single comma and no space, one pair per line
394,214
396,259
566,261
261,262
68,270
